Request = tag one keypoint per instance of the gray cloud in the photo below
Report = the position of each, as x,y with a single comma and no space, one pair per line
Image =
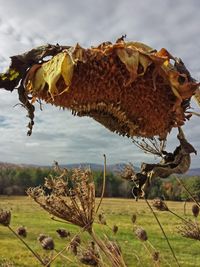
57,134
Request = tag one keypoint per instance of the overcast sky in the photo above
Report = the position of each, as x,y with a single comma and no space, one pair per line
57,135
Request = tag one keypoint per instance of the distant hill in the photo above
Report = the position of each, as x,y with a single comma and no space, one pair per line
115,168
96,167
193,172
99,167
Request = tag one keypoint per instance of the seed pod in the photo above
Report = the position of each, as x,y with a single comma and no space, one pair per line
89,258
63,233
47,243
155,255
102,219
41,237
195,210
141,234
115,229
5,217
74,244
159,204
133,218
22,231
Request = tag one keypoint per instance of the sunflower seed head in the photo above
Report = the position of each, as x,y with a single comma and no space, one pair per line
159,204
141,234
195,210
22,231
5,217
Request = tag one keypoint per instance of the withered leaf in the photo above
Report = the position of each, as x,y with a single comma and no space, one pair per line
50,72
197,96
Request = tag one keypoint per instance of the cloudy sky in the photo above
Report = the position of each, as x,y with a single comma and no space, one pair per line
58,135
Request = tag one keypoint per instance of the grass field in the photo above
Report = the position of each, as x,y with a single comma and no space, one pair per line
117,211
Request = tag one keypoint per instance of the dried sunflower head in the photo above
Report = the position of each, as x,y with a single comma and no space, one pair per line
128,87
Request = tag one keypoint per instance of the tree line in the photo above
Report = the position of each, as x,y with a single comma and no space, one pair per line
15,181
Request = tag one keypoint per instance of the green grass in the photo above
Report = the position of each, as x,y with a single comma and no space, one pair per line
117,211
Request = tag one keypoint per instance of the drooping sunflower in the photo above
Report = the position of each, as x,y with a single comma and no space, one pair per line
128,87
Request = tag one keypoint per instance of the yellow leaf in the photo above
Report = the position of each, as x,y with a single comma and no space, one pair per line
130,58
61,65
140,46
145,62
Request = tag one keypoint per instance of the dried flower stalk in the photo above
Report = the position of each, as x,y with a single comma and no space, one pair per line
72,201
195,210
190,230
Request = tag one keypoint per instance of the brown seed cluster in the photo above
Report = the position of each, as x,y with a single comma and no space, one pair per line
128,172
115,229
74,244
72,199
155,256
146,102
102,219
159,204
5,217
190,230
133,218
47,243
22,231
195,210
141,234
90,256
63,233
135,110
